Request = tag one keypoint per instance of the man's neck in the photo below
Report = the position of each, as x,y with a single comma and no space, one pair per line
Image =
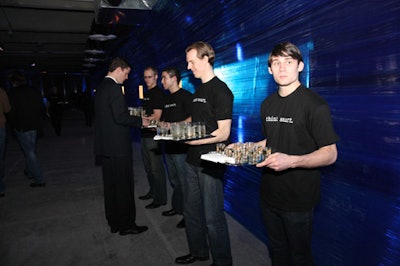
289,89
207,76
174,89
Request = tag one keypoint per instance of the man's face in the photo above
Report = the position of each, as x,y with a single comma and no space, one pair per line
195,64
285,70
167,81
122,75
150,78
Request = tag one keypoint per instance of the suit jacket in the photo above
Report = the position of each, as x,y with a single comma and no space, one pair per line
112,121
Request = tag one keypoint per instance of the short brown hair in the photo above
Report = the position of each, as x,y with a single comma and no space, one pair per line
116,63
17,79
173,72
152,68
285,49
203,49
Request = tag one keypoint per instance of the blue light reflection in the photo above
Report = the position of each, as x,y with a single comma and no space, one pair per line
188,19
239,52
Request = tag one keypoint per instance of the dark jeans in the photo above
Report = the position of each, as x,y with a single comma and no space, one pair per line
289,235
27,140
154,167
206,226
177,175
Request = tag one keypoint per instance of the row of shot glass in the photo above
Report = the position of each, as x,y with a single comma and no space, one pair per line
182,130
244,153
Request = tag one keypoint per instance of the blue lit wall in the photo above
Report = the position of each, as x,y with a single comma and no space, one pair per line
352,52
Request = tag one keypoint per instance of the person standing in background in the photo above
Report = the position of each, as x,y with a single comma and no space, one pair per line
86,104
177,109
296,122
55,109
206,226
153,104
112,144
26,117
4,109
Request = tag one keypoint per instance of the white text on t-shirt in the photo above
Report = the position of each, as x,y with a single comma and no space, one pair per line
287,120
170,105
200,100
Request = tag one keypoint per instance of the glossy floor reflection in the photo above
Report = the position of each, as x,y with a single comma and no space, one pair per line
64,223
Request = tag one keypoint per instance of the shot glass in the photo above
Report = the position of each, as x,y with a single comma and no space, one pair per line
220,147
190,131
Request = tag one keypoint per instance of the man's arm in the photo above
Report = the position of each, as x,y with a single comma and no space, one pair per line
324,156
156,114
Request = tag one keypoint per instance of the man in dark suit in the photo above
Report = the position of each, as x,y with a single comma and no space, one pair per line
113,148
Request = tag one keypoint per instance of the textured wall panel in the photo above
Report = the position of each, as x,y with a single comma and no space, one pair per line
352,52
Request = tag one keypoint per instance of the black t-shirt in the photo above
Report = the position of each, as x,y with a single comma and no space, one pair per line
212,101
297,124
177,108
152,99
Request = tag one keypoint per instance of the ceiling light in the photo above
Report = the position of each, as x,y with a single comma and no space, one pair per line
94,51
92,60
102,37
88,65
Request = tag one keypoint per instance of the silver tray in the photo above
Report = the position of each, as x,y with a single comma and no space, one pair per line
150,126
169,137
223,159
218,158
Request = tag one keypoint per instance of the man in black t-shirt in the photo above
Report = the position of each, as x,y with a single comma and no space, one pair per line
297,125
153,103
206,226
177,108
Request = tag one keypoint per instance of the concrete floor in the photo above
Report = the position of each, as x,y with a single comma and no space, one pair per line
64,223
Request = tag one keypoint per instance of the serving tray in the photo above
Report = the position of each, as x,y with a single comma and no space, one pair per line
169,137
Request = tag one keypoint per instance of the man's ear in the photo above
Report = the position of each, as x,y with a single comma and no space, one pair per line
269,70
300,67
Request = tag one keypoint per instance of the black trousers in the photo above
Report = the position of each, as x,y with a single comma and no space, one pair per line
119,192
